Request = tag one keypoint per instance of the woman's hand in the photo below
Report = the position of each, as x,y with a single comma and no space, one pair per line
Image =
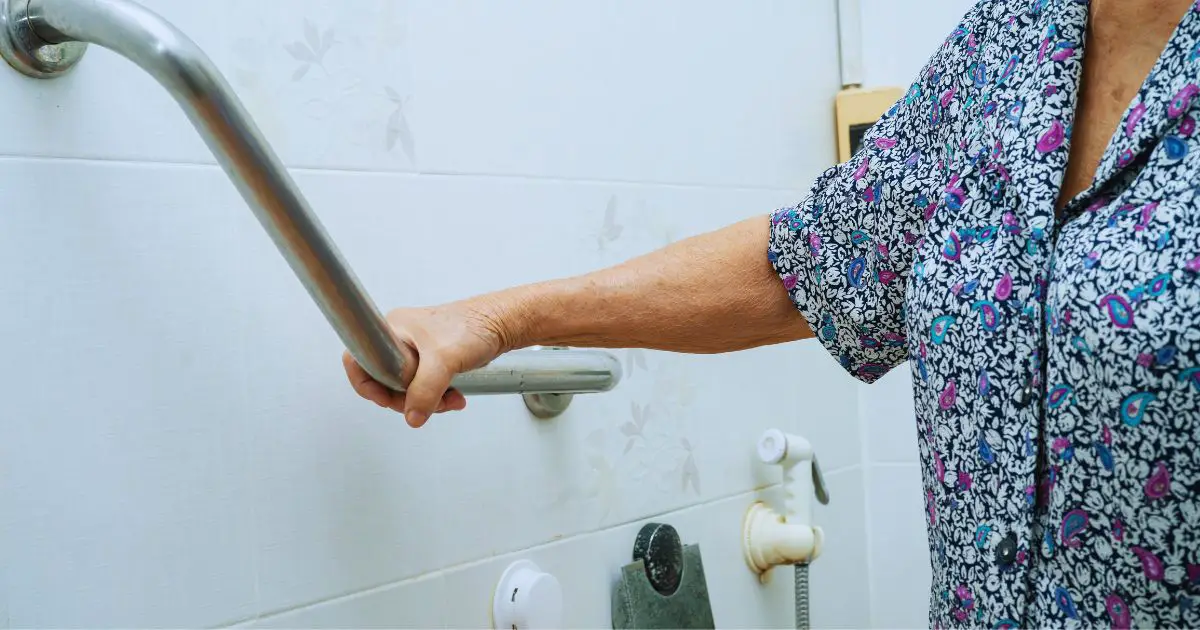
448,340
716,292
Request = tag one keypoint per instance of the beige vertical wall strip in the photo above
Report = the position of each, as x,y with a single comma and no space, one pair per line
856,106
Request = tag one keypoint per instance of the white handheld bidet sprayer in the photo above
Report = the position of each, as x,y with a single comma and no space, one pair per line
769,538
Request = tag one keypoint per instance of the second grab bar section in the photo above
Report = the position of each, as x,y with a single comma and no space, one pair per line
48,31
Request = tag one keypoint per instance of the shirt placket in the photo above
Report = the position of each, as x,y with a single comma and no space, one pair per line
1037,178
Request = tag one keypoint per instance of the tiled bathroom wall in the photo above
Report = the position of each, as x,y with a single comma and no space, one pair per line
179,447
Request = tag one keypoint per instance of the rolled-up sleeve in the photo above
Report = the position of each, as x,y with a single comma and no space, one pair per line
845,252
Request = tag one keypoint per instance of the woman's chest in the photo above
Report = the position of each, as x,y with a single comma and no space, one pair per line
1104,97
1007,311
1123,44
997,280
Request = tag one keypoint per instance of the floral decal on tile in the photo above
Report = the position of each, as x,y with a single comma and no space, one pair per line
632,429
397,126
631,225
689,474
649,447
320,105
635,358
668,463
602,487
646,449
311,50
610,230
655,432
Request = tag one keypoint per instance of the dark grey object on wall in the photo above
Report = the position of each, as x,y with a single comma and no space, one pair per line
664,586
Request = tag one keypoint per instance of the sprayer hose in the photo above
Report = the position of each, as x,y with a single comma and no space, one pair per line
801,597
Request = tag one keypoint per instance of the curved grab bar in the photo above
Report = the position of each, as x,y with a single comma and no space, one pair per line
45,38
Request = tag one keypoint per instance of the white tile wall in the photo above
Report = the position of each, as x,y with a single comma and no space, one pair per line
179,446
899,568
418,603
574,473
5,539
125,423
225,427
588,566
839,579
4,588
900,37
568,94
889,422
710,93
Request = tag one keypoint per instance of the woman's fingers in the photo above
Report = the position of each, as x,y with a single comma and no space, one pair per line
427,390
363,384
446,340
396,402
454,400
372,390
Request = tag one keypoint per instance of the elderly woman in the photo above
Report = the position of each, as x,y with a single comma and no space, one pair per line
1023,228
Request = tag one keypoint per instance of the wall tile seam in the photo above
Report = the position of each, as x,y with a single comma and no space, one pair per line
840,470
430,174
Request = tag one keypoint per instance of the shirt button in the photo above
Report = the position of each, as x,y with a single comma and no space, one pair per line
1006,551
1024,396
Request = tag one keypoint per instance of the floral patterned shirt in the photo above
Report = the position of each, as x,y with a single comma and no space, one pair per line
1055,361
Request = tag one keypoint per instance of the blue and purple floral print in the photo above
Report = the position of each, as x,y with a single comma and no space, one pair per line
1056,360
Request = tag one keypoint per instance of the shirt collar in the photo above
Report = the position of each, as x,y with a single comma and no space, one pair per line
1161,103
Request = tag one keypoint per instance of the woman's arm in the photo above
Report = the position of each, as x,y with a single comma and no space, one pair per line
711,293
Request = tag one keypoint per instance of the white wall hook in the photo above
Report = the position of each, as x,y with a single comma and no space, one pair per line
771,538
526,598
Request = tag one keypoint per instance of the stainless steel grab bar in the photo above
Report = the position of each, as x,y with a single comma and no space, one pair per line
46,38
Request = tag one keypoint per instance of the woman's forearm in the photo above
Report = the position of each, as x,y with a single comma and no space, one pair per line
712,293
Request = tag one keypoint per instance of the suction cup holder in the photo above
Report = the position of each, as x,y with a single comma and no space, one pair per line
26,51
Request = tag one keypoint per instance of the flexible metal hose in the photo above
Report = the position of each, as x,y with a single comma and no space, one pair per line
801,597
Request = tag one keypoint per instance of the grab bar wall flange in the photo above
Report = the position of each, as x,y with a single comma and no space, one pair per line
27,52
46,38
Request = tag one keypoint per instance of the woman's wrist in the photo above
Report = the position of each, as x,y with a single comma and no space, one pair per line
524,316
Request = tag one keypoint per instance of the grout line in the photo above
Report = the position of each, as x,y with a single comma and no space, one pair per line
612,181
442,572
841,469
595,181
894,465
